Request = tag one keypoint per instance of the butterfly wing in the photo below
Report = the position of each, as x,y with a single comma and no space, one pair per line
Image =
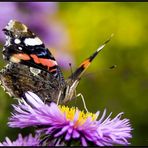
73,79
31,66
17,79
23,46
85,64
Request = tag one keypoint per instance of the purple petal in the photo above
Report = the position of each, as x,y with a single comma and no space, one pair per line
63,130
83,141
68,136
20,141
75,134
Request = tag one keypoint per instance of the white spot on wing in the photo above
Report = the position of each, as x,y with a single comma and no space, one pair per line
33,41
17,41
9,25
20,48
7,41
35,71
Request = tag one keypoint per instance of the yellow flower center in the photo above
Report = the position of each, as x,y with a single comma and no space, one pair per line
82,116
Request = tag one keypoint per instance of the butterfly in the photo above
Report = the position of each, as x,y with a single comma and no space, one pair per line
32,67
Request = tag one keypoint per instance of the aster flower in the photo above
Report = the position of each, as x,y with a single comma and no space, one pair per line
20,141
70,124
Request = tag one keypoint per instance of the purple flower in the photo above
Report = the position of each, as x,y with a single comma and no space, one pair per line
70,124
20,141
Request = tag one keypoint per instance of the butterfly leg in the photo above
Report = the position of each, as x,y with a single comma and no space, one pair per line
83,100
59,98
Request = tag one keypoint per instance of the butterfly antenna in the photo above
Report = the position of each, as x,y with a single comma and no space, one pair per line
70,65
80,70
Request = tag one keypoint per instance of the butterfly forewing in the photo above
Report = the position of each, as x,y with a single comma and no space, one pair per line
23,46
31,65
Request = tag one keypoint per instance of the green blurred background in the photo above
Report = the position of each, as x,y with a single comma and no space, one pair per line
122,89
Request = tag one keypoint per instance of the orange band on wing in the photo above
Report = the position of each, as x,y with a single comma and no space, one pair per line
21,56
86,63
52,70
45,62
35,58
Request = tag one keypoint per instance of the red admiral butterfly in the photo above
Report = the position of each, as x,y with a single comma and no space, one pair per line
32,67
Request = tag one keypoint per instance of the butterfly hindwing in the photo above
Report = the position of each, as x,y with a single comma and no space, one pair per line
17,79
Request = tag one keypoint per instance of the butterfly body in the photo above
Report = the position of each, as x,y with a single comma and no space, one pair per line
32,67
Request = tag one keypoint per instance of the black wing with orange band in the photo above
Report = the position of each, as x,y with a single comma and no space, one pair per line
85,64
23,46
